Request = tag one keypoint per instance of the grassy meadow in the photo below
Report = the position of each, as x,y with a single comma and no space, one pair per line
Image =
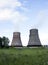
24,56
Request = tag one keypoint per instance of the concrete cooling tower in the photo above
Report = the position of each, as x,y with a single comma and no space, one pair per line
34,38
16,41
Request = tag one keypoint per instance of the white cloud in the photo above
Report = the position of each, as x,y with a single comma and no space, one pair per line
42,25
14,16
9,13
7,8
41,19
9,3
18,17
5,14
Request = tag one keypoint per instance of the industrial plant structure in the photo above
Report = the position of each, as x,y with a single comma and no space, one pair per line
34,40
16,41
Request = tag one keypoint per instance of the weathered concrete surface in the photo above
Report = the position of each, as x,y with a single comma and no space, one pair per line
16,41
34,38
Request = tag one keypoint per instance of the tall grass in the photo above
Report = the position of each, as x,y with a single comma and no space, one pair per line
24,56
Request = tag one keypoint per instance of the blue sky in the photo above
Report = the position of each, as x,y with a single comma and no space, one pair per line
23,15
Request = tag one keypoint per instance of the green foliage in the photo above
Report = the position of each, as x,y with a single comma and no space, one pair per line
0,41
4,42
24,56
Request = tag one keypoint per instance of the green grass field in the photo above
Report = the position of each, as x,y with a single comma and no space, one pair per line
24,56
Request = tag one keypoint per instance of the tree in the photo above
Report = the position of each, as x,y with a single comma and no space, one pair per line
0,42
5,41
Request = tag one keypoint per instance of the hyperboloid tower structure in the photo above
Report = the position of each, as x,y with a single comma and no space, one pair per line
16,41
34,40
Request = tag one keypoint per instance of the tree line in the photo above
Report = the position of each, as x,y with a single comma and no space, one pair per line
4,42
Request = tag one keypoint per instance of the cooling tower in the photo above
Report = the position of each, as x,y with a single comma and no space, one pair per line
34,38
16,41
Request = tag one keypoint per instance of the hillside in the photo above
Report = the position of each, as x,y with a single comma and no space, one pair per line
24,56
